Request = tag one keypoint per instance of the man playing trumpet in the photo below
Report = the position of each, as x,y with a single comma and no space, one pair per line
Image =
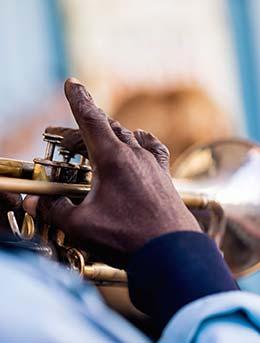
134,219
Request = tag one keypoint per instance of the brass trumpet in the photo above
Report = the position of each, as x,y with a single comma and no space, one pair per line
55,174
228,172
213,180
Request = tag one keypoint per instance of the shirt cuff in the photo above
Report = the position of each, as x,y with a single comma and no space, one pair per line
214,315
173,270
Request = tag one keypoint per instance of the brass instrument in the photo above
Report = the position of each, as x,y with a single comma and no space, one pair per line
217,182
228,172
55,174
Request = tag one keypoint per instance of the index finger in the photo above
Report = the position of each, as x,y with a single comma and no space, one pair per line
72,139
93,123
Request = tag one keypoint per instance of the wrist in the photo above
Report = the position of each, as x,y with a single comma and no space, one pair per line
173,270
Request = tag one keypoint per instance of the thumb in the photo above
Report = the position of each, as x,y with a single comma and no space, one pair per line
56,211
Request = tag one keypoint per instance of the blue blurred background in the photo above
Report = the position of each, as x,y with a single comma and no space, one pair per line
116,47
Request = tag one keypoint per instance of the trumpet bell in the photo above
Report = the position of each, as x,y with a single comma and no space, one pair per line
228,172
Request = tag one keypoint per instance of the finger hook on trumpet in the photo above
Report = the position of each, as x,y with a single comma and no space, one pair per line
28,228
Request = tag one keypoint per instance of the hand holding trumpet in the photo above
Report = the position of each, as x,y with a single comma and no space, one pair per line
132,217
128,167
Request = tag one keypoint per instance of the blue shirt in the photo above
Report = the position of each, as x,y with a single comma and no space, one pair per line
42,302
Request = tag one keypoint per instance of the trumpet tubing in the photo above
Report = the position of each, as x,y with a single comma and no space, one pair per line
34,187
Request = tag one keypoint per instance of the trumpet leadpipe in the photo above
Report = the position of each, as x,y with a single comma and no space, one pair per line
33,187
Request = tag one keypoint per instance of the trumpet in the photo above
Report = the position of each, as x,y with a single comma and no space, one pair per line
228,173
217,182
54,174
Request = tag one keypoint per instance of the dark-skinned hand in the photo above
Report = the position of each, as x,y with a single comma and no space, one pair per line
132,199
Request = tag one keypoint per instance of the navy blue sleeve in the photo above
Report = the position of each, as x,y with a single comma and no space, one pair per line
173,270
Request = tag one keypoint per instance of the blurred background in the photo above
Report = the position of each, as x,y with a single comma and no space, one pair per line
188,70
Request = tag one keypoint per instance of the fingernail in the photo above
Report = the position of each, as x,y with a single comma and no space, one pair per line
71,82
69,89
74,80
69,85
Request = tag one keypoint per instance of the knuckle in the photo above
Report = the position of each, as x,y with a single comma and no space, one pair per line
114,124
126,135
163,150
140,136
160,152
117,130
140,132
